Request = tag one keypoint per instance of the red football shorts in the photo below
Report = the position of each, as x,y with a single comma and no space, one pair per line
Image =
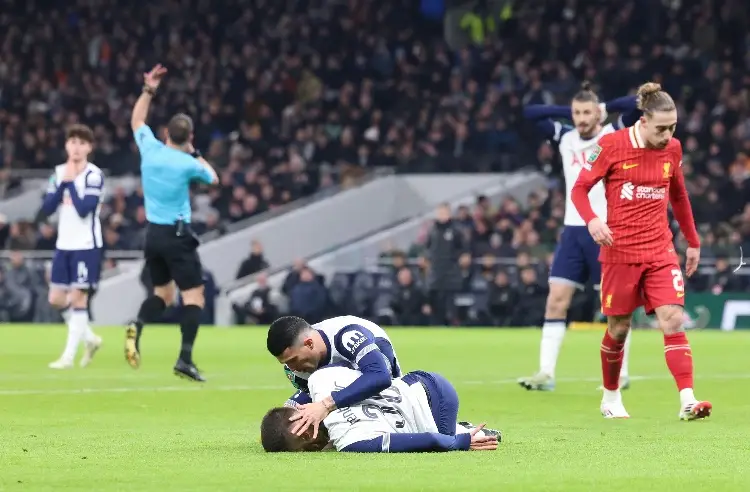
626,286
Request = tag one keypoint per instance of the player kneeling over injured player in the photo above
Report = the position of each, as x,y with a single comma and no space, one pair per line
416,414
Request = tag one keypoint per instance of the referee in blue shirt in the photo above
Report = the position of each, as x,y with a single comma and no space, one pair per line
171,248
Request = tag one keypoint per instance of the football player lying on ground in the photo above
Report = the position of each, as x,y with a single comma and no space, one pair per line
417,413
349,340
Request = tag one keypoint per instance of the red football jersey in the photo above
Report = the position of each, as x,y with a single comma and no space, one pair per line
639,182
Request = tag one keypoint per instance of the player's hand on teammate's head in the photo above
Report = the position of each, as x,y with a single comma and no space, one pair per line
310,415
312,439
154,77
482,443
692,258
600,232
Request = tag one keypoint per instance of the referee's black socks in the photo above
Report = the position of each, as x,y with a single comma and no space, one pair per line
191,320
151,311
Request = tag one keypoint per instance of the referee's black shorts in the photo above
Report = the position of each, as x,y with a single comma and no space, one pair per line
171,253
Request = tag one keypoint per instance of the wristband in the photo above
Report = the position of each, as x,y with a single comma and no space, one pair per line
149,90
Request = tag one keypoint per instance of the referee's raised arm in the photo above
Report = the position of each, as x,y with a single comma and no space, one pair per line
180,128
171,247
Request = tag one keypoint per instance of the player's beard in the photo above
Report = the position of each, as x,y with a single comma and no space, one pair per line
586,131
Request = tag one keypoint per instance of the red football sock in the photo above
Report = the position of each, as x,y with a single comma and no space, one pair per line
679,359
612,354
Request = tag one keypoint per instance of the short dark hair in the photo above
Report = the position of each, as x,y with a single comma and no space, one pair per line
284,332
586,93
275,434
180,128
84,132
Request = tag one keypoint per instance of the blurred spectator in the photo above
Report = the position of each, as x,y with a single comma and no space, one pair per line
724,280
409,303
308,297
47,237
503,299
529,308
16,291
259,308
44,312
444,246
253,263
19,275
293,277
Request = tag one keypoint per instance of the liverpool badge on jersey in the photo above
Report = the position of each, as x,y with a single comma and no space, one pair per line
667,165
594,154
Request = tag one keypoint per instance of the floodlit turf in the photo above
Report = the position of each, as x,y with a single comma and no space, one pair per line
109,427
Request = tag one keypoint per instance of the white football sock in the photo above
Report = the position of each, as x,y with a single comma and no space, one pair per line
460,429
553,332
611,396
687,396
80,318
75,334
626,355
65,313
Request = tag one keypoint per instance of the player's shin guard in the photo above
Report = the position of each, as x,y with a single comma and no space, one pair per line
191,318
679,361
612,354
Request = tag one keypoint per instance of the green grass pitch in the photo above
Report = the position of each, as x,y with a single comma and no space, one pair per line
108,427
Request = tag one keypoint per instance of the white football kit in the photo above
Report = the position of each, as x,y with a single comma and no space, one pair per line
575,151
400,409
348,339
78,253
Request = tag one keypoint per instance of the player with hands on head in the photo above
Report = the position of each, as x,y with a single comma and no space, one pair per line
641,168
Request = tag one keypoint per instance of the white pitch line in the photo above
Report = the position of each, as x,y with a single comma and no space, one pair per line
658,377
68,376
143,389
208,387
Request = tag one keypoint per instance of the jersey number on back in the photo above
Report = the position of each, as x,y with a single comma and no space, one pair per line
369,409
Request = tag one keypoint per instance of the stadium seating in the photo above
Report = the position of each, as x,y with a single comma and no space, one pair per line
288,102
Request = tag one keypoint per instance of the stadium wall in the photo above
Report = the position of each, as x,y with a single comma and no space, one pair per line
364,252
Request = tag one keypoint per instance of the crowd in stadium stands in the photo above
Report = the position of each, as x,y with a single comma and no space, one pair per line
291,97
495,277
